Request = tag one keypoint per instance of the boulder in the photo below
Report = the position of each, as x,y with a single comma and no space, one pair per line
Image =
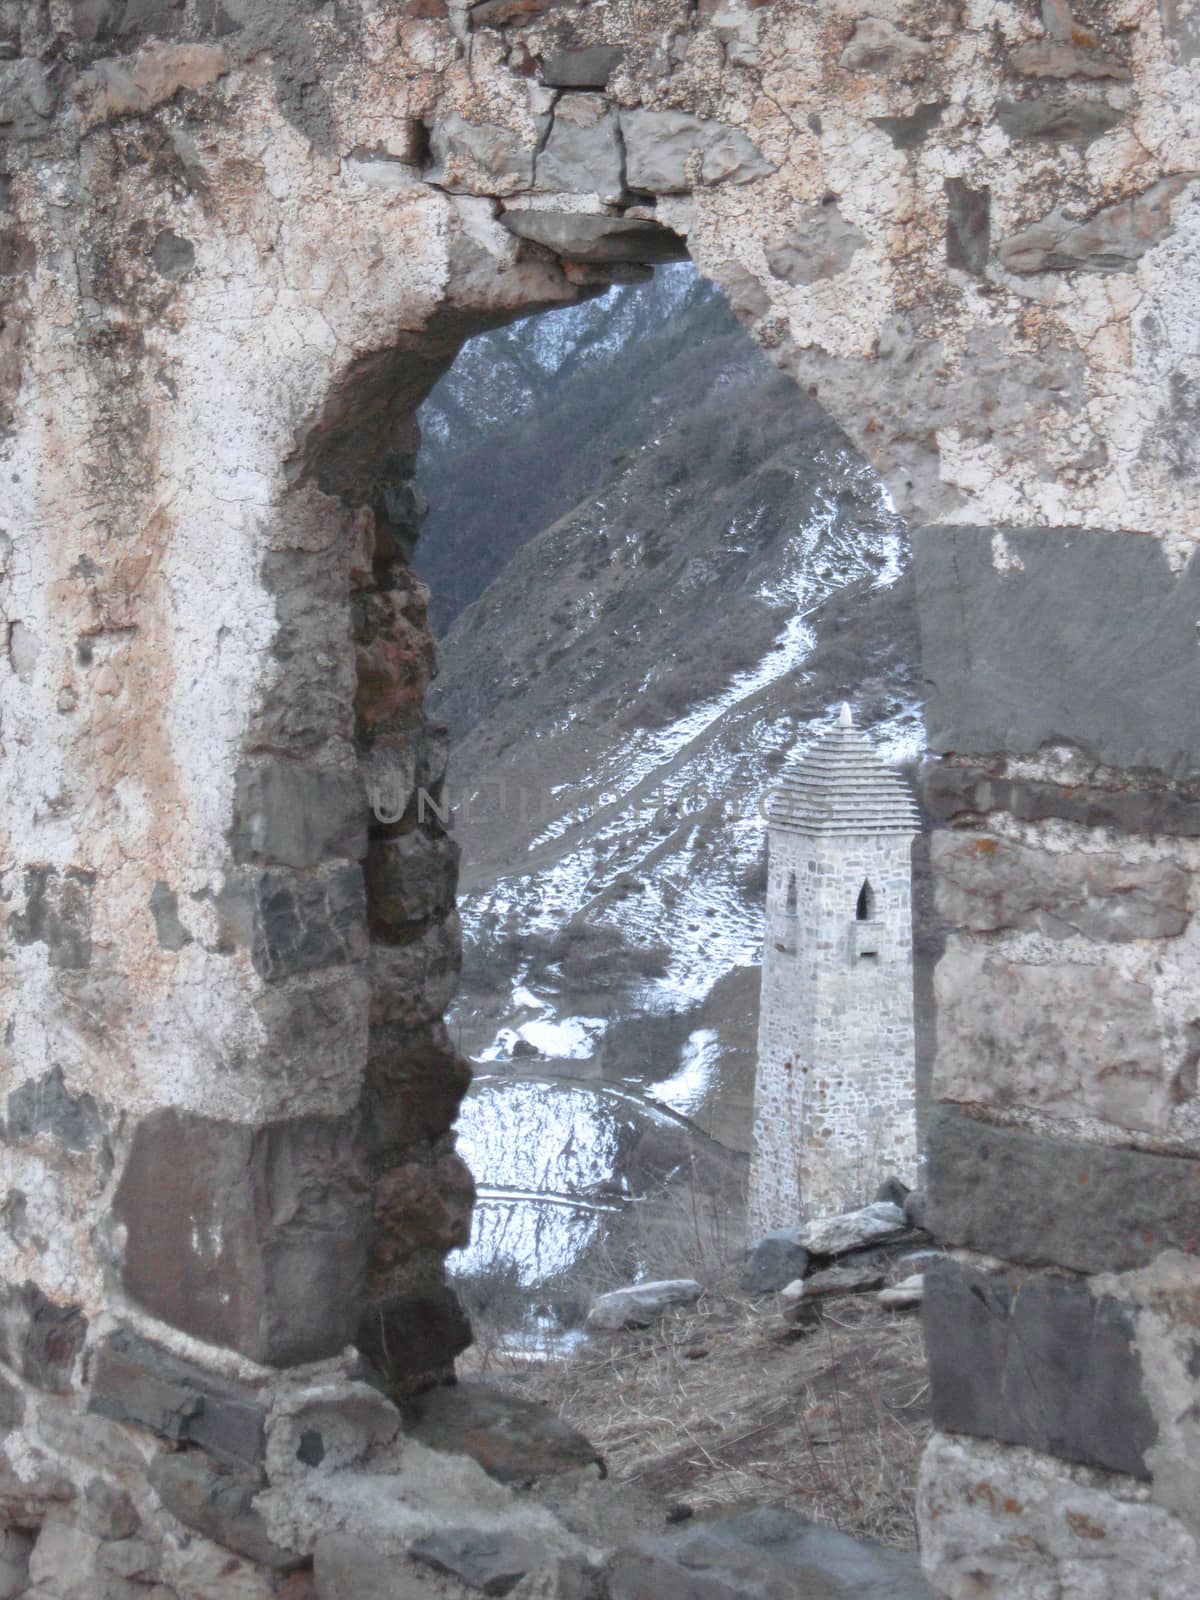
773,1261
641,1303
514,1440
908,1292
765,1555
892,1189
915,1208
851,1230
841,1280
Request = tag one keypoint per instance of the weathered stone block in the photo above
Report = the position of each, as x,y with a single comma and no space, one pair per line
1090,1207
1064,1037
821,245
136,1382
1000,1520
254,1238
347,1569
1058,58
1037,1362
28,96
879,46
579,237
582,153
910,132
1113,239
667,152
46,1105
412,984
774,1261
968,226
419,1206
514,1440
461,149
410,878
1022,648
297,924
764,1555
953,792
985,884
58,914
38,1338
218,1504
415,1082
412,1334
586,68
1056,120
492,1562
293,815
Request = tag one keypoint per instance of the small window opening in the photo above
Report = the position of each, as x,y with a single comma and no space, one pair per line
865,909
790,907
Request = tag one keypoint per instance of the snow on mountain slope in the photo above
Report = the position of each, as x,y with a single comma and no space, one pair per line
623,691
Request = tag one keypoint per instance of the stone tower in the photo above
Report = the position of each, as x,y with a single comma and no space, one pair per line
834,1096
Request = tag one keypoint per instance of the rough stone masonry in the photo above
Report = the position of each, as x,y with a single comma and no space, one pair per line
238,243
835,1080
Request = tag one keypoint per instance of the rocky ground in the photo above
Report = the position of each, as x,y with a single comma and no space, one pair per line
743,1399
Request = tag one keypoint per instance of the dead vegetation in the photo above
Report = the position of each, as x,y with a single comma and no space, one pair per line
722,1407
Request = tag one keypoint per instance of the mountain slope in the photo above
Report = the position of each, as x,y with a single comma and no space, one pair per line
718,570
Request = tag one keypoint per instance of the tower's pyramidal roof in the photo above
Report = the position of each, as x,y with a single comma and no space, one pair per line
842,786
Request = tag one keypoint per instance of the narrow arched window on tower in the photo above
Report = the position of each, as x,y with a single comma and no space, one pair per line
865,909
790,907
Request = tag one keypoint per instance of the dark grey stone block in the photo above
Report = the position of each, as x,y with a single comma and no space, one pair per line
1056,1202
910,132
1076,637
58,914
296,924
164,908
253,1238
218,1504
968,226
45,1105
409,1335
774,1261
765,1555
295,815
1038,1362
587,68
958,793
514,1440
40,1339
136,1382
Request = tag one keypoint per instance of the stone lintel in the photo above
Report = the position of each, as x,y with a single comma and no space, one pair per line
1056,1202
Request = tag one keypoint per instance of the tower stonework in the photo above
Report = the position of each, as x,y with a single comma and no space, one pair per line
834,1095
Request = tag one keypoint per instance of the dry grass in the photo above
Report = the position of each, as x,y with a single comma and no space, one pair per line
721,1407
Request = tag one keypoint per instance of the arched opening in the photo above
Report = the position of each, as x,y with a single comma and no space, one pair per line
790,903
864,910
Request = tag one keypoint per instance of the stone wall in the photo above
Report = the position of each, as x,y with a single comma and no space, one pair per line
835,1090
238,243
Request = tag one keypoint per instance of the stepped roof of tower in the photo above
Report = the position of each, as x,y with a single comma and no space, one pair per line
842,786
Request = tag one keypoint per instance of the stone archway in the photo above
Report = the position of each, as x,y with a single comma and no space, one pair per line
239,243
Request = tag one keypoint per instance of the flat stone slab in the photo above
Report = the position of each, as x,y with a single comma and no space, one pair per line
773,1261
850,1230
841,1280
513,1439
908,1292
765,1555
641,1303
